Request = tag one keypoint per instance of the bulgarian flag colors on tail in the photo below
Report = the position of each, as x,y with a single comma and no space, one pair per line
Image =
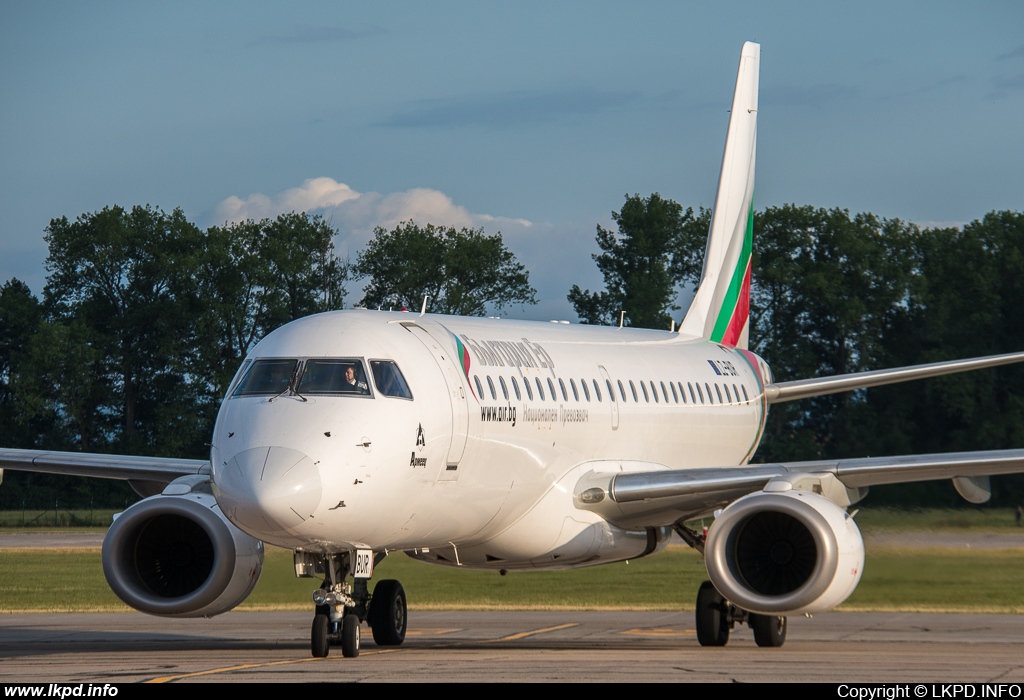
720,311
733,324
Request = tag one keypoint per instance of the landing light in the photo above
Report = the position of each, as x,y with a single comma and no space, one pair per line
592,495
322,596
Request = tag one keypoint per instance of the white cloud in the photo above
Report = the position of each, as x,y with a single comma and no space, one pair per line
553,254
356,214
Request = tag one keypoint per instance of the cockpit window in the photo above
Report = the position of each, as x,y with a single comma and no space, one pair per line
389,379
333,377
267,377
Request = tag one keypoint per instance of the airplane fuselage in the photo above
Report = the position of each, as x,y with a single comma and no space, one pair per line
474,460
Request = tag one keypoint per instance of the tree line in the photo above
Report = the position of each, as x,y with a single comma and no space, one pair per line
145,318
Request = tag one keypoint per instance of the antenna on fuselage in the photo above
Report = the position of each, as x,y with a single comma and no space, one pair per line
672,328
622,318
424,309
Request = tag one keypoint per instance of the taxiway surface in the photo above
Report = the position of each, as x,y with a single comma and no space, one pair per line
511,646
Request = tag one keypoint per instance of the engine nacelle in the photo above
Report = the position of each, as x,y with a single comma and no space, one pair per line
789,552
178,556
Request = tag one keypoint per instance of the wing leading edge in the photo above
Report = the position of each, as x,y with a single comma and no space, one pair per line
820,386
147,475
665,497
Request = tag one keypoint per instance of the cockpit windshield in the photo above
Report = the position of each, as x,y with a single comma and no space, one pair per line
318,376
334,377
267,377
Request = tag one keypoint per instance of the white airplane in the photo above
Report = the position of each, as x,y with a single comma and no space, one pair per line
497,444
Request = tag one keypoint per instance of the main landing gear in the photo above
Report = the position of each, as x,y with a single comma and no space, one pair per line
341,607
715,618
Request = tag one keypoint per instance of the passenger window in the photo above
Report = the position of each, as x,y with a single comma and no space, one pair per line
597,390
711,399
643,387
654,390
551,390
682,392
540,388
622,390
575,394
736,393
745,397
267,377
728,397
387,377
515,388
611,392
664,391
700,394
719,392
504,389
561,385
632,387
675,396
490,385
529,391
586,391
479,388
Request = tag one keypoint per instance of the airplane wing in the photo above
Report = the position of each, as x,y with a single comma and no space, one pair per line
147,475
820,386
665,497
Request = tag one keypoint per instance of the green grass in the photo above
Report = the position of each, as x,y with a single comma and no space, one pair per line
871,520
63,520
941,580
894,579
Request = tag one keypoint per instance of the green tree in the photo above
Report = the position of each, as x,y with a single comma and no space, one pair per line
828,289
639,263
462,271
126,275
20,314
964,302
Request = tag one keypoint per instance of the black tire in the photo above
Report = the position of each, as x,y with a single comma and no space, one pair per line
350,636
769,630
711,617
318,637
388,616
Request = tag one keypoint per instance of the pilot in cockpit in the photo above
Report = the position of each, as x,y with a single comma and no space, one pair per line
353,384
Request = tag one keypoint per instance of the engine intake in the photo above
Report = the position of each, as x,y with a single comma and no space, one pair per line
178,556
788,552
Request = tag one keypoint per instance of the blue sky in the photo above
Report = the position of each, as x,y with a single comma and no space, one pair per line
529,118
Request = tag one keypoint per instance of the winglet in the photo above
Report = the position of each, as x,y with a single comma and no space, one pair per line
720,311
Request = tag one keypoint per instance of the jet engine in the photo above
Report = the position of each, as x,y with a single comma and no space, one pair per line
178,556
784,552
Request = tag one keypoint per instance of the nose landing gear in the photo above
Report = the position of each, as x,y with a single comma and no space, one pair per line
342,607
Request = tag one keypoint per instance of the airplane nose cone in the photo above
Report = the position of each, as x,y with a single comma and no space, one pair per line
269,489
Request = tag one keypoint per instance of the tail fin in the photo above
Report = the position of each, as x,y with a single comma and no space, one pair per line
720,311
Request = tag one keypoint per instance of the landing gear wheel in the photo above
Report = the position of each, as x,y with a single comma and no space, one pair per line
387,616
350,636
318,637
711,617
769,630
